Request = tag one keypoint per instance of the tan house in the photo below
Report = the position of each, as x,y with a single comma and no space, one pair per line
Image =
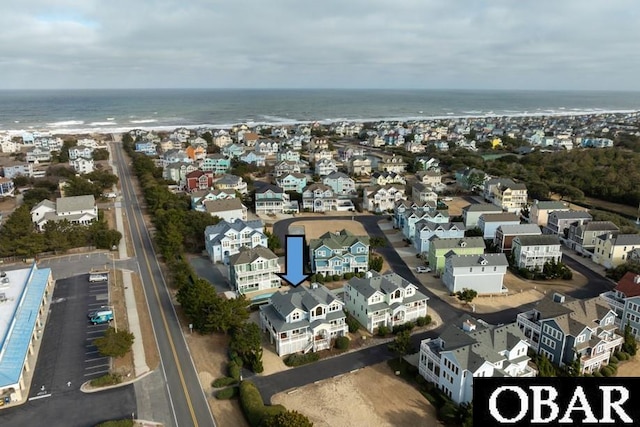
540,210
612,250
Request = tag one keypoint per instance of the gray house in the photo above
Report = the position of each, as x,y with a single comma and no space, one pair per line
583,237
482,273
471,214
559,222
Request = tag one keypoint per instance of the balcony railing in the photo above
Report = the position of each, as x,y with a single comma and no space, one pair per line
523,319
612,300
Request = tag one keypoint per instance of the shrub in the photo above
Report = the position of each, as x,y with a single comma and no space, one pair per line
607,371
423,321
404,327
223,382
227,393
353,324
348,276
614,359
253,407
297,359
105,380
335,277
383,331
623,355
234,370
342,343
597,374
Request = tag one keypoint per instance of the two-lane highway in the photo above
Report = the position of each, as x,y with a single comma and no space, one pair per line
189,404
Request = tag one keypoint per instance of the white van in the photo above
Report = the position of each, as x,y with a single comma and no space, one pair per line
98,278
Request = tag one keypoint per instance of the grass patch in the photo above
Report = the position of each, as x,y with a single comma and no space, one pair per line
117,423
105,380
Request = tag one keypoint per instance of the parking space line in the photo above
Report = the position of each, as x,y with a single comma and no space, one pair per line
96,374
96,366
90,352
93,360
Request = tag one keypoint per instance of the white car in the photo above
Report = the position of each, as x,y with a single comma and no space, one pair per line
423,269
447,199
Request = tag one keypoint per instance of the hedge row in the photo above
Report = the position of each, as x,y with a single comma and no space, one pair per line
253,407
301,359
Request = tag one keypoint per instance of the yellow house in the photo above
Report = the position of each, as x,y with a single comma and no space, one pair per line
611,251
496,142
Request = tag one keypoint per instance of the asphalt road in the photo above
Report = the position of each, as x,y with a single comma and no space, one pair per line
189,405
66,360
285,380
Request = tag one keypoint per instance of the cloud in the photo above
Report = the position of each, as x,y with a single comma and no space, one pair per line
545,44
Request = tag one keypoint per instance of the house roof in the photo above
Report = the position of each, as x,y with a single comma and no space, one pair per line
599,226
317,186
268,187
550,205
228,179
223,226
520,229
571,214
490,260
45,203
341,239
626,239
222,205
75,203
542,240
587,312
248,255
499,217
385,283
550,309
433,226
482,207
629,284
483,343
454,242
336,175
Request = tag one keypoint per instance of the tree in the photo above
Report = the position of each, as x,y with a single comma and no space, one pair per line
375,263
630,344
225,314
545,368
196,299
114,343
246,343
18,236
273,241
467,295
401,345
35,195
288,419
377,242
474,232
100,154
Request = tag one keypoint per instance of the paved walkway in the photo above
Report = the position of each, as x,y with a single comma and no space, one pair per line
139,361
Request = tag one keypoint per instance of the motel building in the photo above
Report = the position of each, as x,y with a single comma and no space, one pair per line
25,295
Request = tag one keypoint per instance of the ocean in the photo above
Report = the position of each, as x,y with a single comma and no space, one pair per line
105,111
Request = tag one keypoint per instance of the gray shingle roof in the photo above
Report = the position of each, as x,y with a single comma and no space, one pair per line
213,206
482,207
385,283
627,239
499,217
490,260
551,205
219,229
542,240
248,255
281,304
453,243
338,240
512,229
571,214
75,203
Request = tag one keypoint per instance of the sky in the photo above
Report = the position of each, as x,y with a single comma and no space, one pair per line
412,44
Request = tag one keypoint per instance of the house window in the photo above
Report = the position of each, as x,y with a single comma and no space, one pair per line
295,316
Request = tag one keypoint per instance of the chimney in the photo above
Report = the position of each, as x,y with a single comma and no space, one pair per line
558,298
636,279
468,326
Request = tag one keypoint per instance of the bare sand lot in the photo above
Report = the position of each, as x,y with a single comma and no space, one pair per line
314,229
372,396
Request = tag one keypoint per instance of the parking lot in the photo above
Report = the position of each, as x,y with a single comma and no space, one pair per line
67,356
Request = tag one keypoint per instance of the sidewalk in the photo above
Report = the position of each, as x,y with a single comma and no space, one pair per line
140,365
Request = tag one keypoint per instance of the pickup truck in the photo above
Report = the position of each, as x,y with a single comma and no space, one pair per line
102,317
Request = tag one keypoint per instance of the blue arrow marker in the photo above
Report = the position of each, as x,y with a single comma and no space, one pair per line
294,255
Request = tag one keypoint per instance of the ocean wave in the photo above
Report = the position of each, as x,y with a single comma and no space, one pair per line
102,123
65,123
143,121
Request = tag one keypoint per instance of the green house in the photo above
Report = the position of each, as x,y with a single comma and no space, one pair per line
461,246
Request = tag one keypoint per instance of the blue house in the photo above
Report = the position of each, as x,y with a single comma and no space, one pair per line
339,253
233,150
292,182
146,147
426,230
254,158
216,163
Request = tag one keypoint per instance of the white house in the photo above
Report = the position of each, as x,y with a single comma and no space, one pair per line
383,300
481,273
489,223
325,167
340,183
253,270
471,348
532,252
382,198
82,165
76,210
303,319
426,230
226,238
226,209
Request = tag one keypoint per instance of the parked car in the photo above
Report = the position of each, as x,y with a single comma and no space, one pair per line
98,278
423,269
